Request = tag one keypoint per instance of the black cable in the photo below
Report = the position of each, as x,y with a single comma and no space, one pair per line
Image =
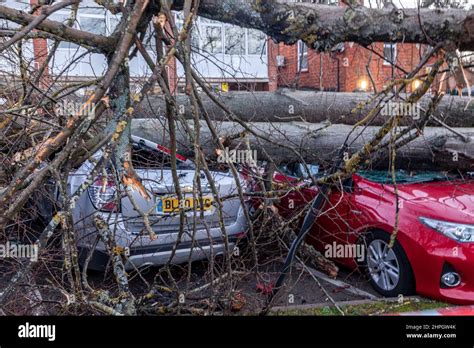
308,222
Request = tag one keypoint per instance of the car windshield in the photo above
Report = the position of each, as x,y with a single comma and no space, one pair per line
145,157
403,177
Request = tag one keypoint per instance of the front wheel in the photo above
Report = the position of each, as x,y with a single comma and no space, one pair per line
388,269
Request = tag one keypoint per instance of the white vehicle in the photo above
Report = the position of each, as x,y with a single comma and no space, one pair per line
203,236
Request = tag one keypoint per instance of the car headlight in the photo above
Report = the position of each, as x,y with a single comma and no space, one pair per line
459,232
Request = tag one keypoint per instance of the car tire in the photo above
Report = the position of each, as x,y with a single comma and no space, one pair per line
391,275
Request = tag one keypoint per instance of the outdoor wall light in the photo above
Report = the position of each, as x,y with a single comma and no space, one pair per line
363,84
416,84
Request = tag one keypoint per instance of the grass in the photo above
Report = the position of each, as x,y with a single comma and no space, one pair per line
372,308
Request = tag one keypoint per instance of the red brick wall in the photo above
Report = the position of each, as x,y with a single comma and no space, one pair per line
273,76
289,76
172,75
359,60
353,64
40,47
40,51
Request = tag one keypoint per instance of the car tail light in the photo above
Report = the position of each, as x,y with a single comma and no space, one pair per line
241,235
103,193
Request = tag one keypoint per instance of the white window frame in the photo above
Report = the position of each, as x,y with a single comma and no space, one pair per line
301,54
69,52
202,29
199,30
394,53
225,41
264,53
77,22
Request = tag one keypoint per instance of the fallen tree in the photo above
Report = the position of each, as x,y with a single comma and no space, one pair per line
49,153
436,148
307,106
322,27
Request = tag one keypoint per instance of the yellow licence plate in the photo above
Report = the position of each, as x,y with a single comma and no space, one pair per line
172,204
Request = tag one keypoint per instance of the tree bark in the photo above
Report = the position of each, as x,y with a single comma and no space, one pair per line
319,26
322,27
436,149
307,106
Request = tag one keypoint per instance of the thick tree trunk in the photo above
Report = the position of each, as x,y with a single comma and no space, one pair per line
322,27
437,148
308,106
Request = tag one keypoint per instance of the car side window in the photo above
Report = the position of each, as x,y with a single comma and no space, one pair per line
288,169
303,169
298,170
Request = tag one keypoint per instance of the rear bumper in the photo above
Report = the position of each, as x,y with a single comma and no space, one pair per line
157,255
142,251
181,255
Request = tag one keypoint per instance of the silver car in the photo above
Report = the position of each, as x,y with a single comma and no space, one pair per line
202,238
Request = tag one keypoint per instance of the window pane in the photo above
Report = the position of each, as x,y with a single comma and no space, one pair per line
69,45
59,17
179,16
114,21
234,40
6,24
149,40
389,53
85,9
257,42
212,39
302,55
63,17
304,62
93,25
194,34
194,39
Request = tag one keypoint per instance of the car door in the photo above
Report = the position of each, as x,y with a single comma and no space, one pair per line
289,178
330,231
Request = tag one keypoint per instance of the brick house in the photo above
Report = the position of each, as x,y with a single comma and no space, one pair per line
234,58
348,68
226,56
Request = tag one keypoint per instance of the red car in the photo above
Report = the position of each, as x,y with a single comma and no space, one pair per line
433,254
